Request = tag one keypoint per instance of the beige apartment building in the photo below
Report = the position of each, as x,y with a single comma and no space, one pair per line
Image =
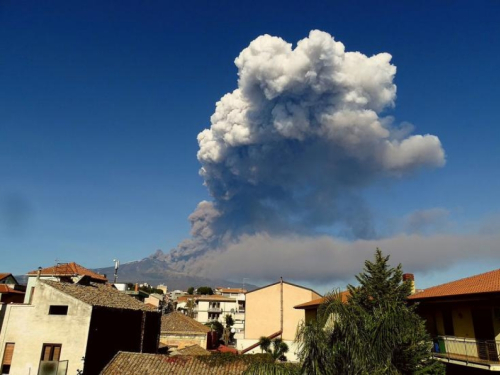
270,310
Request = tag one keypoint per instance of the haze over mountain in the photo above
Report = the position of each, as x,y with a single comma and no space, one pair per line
154,270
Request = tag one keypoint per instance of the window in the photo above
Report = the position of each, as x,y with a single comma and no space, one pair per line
58,310
51,352
7,357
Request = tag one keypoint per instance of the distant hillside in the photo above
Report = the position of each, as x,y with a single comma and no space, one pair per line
153,271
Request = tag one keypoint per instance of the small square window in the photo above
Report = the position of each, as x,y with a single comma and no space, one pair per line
58,310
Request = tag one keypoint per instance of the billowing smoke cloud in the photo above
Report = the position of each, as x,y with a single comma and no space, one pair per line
291,148
326,260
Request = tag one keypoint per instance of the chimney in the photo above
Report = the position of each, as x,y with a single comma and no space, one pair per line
38,273
411,279
136,287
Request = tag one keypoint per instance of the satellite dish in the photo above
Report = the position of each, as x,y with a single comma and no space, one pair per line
233,330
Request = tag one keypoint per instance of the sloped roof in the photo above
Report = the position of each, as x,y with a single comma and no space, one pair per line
177,322
284,282
192,350
69,269
4,289
99,295
488,282
4,275
318,301
125,363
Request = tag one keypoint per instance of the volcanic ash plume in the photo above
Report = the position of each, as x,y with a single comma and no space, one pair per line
290,149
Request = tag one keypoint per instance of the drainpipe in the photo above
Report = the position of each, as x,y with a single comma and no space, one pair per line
281,305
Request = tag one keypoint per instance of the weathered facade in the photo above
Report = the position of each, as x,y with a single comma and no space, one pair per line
77,327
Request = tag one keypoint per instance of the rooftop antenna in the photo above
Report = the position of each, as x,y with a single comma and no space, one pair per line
117,265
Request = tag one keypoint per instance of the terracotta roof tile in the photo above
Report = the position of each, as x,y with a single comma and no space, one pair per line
178,322
125,363
488,282
99,295
4,275
4,289
316,302
69,269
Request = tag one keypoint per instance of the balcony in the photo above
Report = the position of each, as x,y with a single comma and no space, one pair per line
216,310
468,352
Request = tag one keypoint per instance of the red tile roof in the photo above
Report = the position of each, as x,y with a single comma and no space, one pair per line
177,322
316,302
125,363
69,269
488,282
4,275
4,289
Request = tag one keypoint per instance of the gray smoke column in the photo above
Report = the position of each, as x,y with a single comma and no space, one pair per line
290,149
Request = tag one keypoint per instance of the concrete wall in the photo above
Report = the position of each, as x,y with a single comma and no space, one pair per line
263,310
30,326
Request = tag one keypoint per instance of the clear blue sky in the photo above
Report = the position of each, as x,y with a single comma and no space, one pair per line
101,102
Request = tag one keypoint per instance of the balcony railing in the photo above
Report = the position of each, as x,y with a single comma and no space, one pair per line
467,350
214,310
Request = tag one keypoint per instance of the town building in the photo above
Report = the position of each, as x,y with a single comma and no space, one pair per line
270,312
10,290
209,308
311,308
67,272
71,327
463,317
179,331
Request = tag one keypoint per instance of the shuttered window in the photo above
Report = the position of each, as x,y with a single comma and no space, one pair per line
7,357
51,352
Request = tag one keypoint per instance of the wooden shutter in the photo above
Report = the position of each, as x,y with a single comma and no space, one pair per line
56,353
46,352
8,353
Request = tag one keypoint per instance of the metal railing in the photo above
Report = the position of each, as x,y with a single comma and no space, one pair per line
466,349
215,310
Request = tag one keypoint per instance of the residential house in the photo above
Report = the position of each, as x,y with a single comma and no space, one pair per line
270,312
156,300
311,308
10,290
68,272
463,317
157,364
70,327
207,308
180,331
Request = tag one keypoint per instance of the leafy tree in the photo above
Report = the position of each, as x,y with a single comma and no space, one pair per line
264,344
229,320
205,290
190,290
275,348
216,326
190,305
375,332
